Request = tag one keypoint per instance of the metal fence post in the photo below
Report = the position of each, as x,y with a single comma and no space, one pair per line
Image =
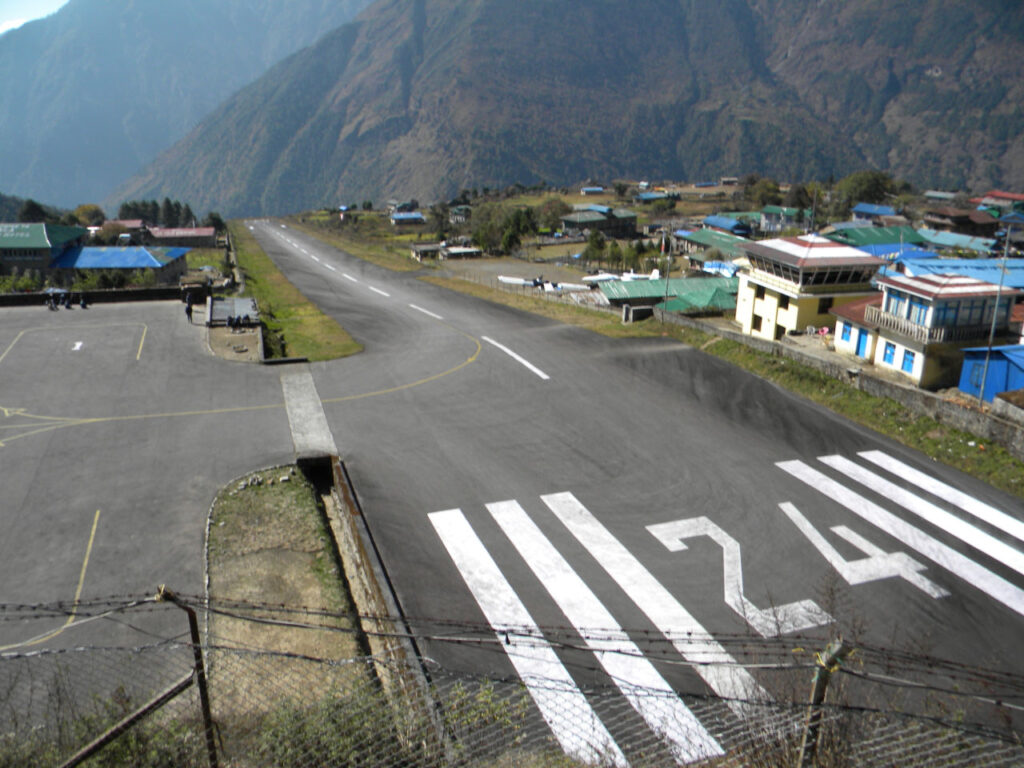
828,662
163,593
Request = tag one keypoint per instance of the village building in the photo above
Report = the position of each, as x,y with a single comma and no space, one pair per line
794,282
919,326
168,265
611,222
182,237
34,246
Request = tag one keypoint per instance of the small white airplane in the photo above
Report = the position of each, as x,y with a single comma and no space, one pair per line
631,275
540,282
600,277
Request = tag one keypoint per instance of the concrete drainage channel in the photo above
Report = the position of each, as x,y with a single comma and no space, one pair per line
381,623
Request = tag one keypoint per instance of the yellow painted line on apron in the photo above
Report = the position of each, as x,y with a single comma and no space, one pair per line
78,594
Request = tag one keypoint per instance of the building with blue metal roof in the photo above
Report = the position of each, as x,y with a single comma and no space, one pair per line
955,241
727,224
870,212
399,218
1000,369
169,264
987,270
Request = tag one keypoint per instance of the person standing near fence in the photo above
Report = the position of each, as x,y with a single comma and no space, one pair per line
188,312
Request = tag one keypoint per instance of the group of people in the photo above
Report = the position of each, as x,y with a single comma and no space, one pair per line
238,324
55,301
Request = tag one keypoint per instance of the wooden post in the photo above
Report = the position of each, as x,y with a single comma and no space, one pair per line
828,662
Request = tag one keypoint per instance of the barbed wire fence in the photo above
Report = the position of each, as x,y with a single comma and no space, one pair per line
273,707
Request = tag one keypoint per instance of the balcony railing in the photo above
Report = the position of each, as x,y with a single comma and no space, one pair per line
926,335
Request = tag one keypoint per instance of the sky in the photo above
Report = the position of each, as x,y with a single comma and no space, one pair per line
14,13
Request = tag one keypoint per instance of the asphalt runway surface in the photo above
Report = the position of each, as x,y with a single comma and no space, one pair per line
520,478
517,474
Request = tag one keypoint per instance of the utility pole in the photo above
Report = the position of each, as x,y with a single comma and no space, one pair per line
828,662
995,314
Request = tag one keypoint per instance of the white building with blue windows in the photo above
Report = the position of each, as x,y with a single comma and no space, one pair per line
920,326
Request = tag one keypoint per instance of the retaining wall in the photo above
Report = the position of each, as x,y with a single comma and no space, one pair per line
996,425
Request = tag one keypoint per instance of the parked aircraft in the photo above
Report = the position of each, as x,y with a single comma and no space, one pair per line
540,282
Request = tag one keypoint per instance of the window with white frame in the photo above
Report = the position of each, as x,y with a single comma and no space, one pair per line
918,311
895,304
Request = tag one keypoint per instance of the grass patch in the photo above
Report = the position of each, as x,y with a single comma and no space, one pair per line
294,326
269,544
207,257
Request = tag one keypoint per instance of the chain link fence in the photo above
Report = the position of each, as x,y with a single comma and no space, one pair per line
275,708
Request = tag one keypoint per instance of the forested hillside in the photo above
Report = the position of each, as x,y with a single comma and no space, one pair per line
422,98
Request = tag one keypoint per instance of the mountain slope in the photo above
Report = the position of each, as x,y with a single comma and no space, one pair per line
98,89
419,98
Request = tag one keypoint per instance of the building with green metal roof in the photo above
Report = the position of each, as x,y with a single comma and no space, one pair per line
34,246
775,218
861,236
697,243
613,222
692,290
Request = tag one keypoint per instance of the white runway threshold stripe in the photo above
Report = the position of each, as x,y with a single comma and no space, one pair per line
949,523
521,360
562,705
973,573
694,643
968,504
642,685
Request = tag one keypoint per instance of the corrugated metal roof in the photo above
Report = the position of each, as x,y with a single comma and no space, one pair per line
725,222
723,241
117,258
584,217
943,285
955,240
861,236
703,298
634,290
36,236
897,250
810,251
980,269
869,209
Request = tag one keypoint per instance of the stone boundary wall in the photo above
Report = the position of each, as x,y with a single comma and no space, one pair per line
1000,425
375,604
96,297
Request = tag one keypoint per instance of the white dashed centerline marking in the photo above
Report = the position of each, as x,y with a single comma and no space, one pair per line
426,312
330,267
517,358
78,346
349,277
378,290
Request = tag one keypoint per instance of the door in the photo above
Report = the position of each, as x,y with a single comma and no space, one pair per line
862,343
